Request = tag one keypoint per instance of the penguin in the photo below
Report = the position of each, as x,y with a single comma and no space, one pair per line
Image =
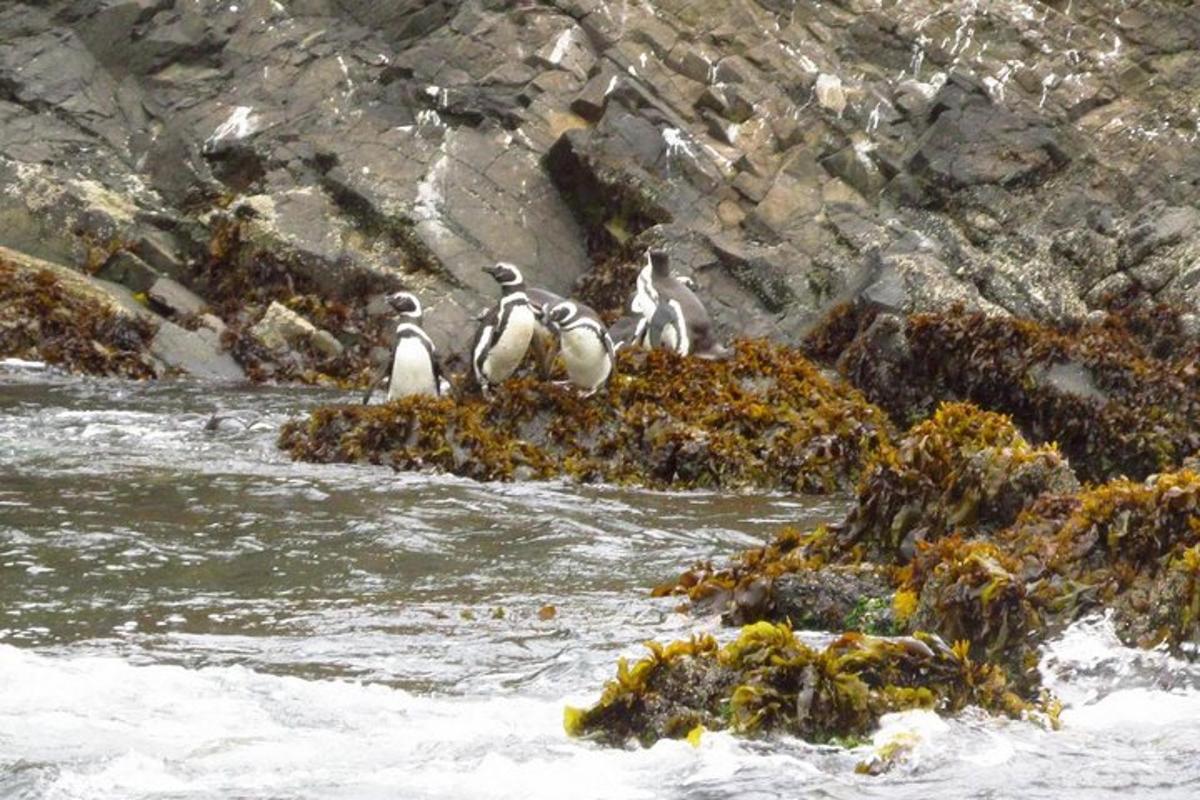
505,331
631,331
628,331
667,287
586,347
645,295
668,329
413,366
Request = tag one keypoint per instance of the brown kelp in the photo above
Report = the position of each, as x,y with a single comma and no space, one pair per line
1119,395
765,418
48,316
964,533
240,279
962,468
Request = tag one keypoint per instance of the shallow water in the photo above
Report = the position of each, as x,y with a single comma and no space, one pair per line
186,614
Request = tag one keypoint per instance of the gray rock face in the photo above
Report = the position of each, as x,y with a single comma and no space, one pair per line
193,353
789,154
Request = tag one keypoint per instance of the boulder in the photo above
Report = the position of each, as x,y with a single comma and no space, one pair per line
281,328
194,353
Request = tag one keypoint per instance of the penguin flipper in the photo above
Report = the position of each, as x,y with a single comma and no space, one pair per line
366,400
484,338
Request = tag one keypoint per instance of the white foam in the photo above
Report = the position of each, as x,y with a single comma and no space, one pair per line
119,730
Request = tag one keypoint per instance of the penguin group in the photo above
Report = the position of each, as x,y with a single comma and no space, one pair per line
664,312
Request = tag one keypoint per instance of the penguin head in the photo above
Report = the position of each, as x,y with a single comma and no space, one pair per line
561,315
405,304
659,264
505,274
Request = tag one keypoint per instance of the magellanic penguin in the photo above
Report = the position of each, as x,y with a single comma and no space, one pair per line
413,366
668,329
586,347
645,296
628,331
667,287
505,331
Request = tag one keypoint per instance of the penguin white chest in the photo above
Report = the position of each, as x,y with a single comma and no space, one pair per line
645,297
509,348
412,370
586,357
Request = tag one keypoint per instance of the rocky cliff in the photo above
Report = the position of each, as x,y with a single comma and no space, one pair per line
1034,159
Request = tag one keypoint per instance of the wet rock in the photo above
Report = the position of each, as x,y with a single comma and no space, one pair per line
281,328
174,299
194,353
130,271
833,599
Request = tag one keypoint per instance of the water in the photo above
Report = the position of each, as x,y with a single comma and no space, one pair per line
186,614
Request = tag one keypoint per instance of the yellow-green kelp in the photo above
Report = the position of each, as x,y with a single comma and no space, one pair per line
767,681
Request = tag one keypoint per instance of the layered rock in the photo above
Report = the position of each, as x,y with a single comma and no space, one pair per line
1029,160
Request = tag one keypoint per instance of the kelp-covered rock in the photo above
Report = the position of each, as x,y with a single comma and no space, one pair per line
1119,396
57,317
768,681
250,284
962,468
764,418
1034,554
997,592
1127,545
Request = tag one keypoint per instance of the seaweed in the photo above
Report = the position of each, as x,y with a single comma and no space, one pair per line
1119,395
50,319
764,418
241,279
767,681
962,468
997,584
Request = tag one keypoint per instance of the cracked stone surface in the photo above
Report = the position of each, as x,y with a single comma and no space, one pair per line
1021,158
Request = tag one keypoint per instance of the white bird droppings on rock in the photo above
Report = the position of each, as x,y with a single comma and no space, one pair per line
830,93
